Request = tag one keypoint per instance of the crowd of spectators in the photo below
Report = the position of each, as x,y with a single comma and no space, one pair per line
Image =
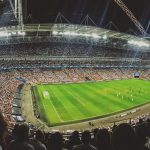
8,86
65,49
124,136
46,62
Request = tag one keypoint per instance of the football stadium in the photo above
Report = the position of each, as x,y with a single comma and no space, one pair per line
74,80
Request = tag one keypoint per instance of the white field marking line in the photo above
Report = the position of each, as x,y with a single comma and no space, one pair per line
46,94
56,110
75,97
38,94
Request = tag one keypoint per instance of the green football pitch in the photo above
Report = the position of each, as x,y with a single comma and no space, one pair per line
75,102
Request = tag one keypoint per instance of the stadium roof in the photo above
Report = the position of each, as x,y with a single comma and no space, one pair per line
128,16
102,12
73,33
80,29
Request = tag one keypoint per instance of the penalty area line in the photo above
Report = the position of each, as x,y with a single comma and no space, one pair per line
56,111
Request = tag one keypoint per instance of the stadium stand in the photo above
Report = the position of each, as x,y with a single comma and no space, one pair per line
10,94
57,63
119,137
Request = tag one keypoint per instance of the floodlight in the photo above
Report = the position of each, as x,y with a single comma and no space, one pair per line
94,35
55,33
86,35
60,33
3,34
21,33
139,43
105,37
13,33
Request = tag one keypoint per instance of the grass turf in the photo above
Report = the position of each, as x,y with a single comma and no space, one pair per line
65,103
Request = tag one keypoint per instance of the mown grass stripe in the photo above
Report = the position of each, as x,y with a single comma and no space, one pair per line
87,100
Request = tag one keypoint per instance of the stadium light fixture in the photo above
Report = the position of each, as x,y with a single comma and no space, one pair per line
105,37
139,43
72,33
13,33
4,34
86,35
94,35
9,34
80,34
60,33
55,33
67,33
21,33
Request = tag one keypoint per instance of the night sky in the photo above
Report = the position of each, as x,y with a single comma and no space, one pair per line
101,11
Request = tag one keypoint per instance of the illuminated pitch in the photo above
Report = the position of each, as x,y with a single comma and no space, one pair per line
70,103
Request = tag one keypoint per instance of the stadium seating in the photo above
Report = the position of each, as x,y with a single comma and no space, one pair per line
9,83
44,70
125,136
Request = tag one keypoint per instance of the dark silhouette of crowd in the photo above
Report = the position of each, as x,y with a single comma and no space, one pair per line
121,137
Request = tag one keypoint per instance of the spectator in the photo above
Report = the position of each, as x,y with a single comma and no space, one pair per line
21,141
93,142
73,140
55,142
86,139
37,142
3,132
124,138
103,140
147,144
142,132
